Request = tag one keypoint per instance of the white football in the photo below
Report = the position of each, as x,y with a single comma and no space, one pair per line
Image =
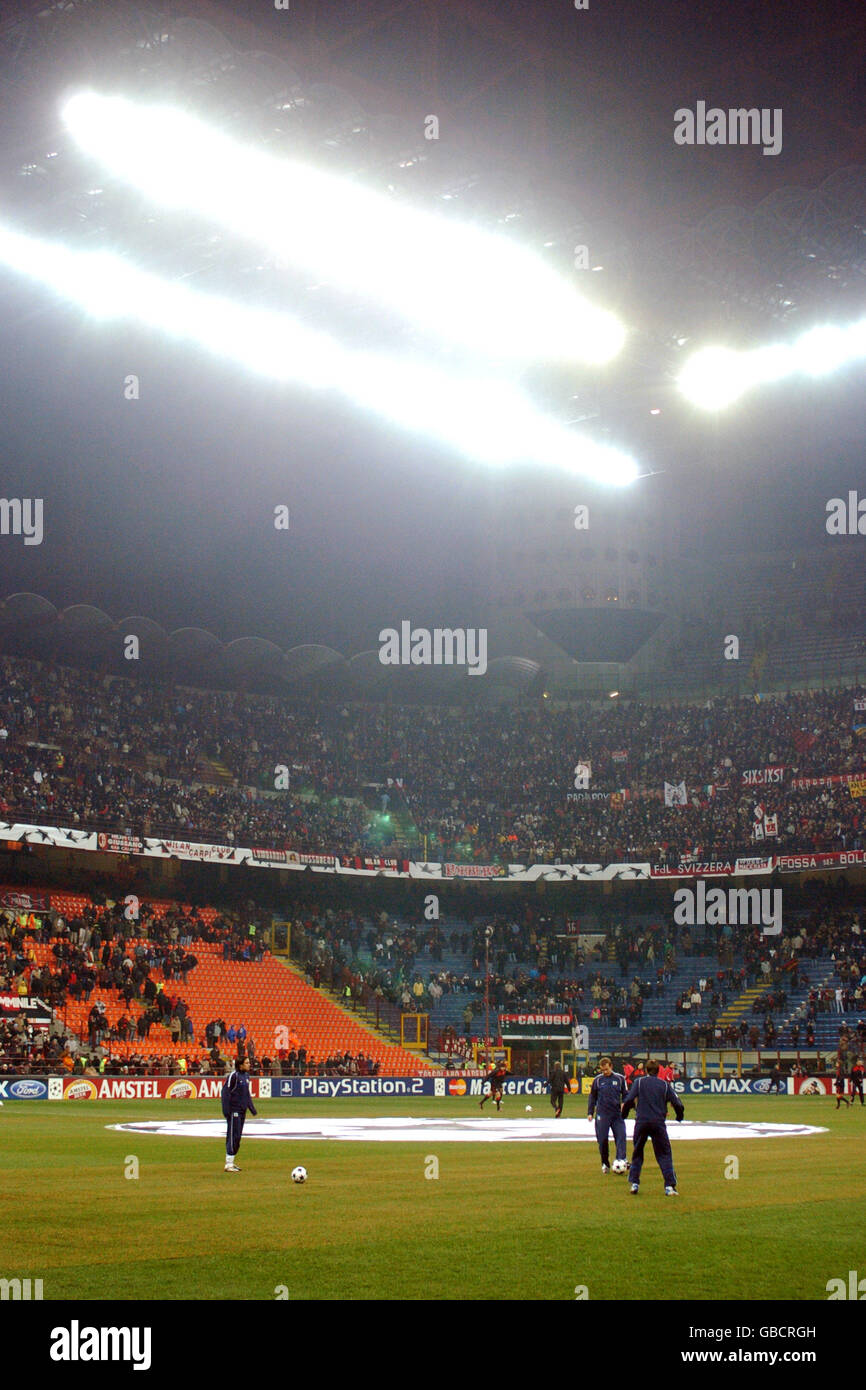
529,1109
619,1165
299,1174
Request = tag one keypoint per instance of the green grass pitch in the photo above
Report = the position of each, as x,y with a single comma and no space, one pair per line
535,1219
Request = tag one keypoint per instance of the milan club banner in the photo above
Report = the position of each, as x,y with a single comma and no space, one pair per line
716,868
373,864
472,870
763,776
328,863
837,779
25,902
34,1010
119,844
278,857
533,873
845,859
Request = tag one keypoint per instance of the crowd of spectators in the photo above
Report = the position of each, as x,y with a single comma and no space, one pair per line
40,1051
82,750
143,958
604,979
532,968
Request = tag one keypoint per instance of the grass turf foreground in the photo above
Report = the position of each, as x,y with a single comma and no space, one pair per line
535,1219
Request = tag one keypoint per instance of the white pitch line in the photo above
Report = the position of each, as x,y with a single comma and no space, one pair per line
386,1129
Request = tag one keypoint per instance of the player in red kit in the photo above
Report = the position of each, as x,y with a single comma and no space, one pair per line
495,1078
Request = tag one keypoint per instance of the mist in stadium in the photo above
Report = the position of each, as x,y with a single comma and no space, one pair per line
433,663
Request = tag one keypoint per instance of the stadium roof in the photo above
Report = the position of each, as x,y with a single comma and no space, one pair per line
552,129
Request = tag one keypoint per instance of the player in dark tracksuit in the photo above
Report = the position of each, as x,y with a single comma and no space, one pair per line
236,1101
652,1096
606,1096
558,1083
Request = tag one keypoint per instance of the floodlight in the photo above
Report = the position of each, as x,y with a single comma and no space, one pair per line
485,419
715,377
466,286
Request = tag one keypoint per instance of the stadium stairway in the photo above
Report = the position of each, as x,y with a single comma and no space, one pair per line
334,996
744,1004
326,1027
213,773
402,825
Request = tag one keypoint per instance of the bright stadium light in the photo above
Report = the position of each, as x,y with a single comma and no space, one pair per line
485,419
821,351
712,378
715,377
466,286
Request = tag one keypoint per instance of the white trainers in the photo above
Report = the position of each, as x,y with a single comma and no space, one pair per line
232,1168
604,1168
634,1189
671,1192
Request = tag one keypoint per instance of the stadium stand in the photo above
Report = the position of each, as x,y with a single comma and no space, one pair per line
77,750
653,986
280,1012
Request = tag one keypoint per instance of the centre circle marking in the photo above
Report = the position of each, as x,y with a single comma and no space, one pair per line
387,1129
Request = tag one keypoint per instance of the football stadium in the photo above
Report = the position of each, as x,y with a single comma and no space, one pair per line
432,666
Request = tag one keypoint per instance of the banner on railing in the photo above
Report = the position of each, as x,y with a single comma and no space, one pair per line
842,859
366,865
24,902
715,868
763,776
832,779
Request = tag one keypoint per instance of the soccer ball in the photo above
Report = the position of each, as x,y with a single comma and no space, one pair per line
619,1165
299,1174
529,1109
